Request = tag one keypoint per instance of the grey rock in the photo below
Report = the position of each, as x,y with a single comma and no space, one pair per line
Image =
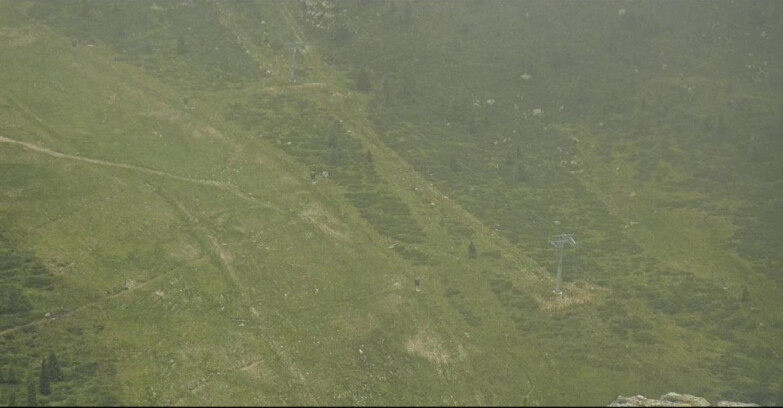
674,399
640,401
686,400
735,404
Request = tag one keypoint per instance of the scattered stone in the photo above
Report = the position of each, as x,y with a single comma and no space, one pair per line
685,400
673,399
129,284
735,404
640,401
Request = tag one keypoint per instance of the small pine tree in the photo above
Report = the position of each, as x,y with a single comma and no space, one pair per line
43,379
471,250
53,365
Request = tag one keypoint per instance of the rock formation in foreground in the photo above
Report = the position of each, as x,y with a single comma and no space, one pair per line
673,399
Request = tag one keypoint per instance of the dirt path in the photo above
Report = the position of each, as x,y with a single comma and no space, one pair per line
113,164
219,184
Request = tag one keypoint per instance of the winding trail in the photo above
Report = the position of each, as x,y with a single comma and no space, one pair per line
214,183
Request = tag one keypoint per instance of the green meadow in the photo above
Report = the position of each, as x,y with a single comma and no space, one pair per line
228,202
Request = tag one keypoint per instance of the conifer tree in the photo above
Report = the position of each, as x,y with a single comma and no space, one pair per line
53,365
43,379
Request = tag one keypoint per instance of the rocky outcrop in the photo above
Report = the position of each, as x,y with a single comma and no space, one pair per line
673,399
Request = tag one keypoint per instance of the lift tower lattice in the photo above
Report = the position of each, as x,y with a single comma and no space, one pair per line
295,47
559,241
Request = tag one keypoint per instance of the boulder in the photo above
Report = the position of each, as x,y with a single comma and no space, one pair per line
674,399
685,400
735,404
640,401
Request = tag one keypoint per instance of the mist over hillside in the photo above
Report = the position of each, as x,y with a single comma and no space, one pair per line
358,202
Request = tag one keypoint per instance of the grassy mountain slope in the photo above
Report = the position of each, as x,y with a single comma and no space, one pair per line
183,224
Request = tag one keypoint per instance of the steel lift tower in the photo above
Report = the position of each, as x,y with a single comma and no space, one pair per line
559,241
295,47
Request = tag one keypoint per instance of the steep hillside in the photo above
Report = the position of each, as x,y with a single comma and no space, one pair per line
650,131
185,219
